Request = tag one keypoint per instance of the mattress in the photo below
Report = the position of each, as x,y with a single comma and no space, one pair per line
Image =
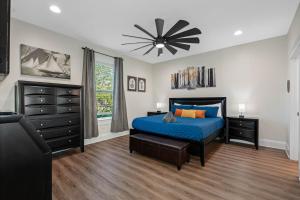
183,128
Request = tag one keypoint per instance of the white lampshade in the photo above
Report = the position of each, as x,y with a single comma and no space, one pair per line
242,108
159,105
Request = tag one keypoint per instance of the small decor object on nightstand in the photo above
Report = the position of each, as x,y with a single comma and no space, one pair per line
131,83
242,109
141,85
242,129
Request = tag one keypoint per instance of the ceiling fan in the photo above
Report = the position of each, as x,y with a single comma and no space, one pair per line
170,40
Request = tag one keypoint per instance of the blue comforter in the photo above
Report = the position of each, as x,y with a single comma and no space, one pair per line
183,128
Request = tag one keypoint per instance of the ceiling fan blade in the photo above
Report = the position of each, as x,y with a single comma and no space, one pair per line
141,47
149,50
137,43
159,26
179,45
137,37
160,51
193,31
171,49
186,40
177,27
140,28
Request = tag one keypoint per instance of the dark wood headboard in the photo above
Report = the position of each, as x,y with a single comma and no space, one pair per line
200,101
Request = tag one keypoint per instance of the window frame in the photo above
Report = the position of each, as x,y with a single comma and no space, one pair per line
106,116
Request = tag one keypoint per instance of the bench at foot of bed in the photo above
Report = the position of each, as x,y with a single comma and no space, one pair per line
168,150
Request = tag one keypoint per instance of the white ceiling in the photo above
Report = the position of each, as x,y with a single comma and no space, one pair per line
102,22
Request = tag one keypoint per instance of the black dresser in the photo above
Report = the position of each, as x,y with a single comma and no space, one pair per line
242,129
55,110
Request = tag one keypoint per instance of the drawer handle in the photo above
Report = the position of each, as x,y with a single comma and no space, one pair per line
70,122
70,100
41,90
70,131
70,109
38,131
241,133
41,135
70,91
42,100
42,110
42,124
69,141
240,124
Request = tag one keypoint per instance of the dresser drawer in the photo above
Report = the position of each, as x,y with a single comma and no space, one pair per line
38,90
244,133
39,100
63,143
59,132
68,109
68,100
242,124
55,122
68,92
39,110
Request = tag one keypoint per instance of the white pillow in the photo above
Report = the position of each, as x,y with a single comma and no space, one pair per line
219,105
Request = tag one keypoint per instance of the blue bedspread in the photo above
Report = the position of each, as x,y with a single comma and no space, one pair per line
183,128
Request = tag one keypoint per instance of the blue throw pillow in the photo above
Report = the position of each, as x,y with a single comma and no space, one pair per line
185,107
210,111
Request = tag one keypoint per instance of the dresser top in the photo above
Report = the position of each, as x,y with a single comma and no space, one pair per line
47,84
243,119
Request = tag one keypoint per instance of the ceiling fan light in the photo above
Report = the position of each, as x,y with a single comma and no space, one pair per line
160,45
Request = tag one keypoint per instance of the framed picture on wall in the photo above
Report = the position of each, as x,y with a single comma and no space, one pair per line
131,83
46,63
141,85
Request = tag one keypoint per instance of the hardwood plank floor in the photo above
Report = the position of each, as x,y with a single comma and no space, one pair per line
107,171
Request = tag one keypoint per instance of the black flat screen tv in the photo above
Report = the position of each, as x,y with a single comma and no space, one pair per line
4,36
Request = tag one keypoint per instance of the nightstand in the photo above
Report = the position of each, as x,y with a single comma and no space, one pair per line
242,129
155,113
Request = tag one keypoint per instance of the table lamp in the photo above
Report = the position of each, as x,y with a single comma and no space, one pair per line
242,109
159,106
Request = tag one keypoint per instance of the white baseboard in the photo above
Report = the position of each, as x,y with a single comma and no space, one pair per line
268,143
287,151
273,144
103,137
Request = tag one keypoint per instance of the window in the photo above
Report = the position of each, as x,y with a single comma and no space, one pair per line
104,88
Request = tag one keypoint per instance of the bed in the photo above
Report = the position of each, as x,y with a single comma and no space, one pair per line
199,132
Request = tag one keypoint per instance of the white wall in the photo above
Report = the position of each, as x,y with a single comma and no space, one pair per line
294,54
294,31
24,33
254,74
293,76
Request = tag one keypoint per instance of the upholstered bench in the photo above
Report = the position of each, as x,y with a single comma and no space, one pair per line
165,149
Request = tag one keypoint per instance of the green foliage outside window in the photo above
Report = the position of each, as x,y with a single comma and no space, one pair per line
104,88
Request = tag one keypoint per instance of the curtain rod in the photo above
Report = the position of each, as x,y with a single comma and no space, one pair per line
101,53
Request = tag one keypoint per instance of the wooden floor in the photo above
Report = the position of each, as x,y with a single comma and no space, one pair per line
107,171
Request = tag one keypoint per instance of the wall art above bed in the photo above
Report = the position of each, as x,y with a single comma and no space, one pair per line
194,77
